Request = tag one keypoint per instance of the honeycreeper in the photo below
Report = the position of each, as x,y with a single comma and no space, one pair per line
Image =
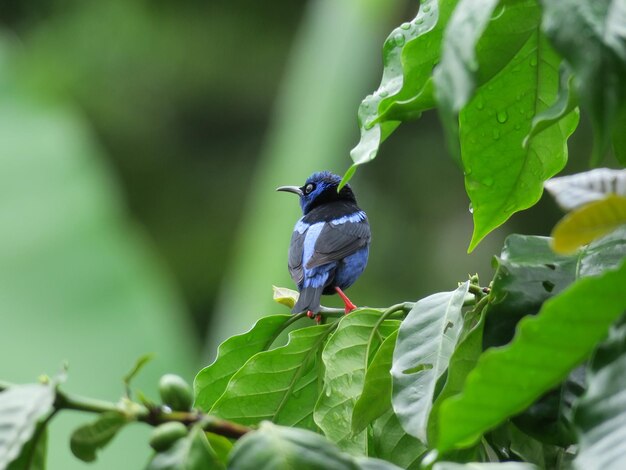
330,243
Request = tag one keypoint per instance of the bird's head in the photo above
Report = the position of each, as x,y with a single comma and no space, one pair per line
320,188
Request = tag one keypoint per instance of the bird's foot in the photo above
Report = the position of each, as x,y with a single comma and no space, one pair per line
313,316
347,302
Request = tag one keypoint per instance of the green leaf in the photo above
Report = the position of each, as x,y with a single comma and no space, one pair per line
220,445
566,102
278,385
232,354
603,254
376,397
345,358
462,361
409,55
601,412
484,466
574,191
619,137
89,438
34,453
192,452
140,363
528,273
501,175
280,448
590,36
545,349
390,442
21,408
284,296
588,223
426,340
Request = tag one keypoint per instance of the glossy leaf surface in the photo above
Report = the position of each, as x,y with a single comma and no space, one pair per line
278,385
545,349
345,358
232,354
426,340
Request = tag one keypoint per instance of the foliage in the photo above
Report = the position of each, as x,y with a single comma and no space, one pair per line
524,372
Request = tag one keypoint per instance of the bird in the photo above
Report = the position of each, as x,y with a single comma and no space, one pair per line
330,243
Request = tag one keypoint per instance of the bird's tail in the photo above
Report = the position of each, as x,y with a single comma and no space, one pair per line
309,300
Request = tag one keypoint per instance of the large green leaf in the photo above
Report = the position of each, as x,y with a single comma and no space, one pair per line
280,448
278,385
462,361
232,354
192,452
545,349
409,55
504,53
484,466
591,37
426,340
601,413
89,438
346,359
21,408
376,397
502,176
390,441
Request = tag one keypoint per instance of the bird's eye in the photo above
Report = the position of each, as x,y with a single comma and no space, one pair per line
308,189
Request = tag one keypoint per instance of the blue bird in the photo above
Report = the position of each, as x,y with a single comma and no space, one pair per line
330,243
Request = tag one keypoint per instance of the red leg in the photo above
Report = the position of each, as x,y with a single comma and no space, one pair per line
349,305
310,314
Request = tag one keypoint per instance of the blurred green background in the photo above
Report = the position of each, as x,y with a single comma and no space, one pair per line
140,146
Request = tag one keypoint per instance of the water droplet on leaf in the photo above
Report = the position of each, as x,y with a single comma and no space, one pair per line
502,117
488,181
405,25
533,61
496,134
471,208
398,39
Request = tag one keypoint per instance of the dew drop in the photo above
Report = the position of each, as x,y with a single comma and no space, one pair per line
471,208
398,39
517,127
480,105
372,155
533,61
405,25
488,181
502,117
496,134
426,8
420,20
383,93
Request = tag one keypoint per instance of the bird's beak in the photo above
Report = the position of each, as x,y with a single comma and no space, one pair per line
290,189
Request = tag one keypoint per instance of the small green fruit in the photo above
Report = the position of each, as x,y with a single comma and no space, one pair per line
175,392
164,435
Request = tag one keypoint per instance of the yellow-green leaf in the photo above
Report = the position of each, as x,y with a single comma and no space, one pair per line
591,221
285,296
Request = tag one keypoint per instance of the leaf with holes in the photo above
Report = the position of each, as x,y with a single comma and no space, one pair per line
426,340
232,354
346,357
21,408
588,223
544,351
278,385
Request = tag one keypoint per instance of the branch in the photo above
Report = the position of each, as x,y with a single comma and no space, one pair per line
153,416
